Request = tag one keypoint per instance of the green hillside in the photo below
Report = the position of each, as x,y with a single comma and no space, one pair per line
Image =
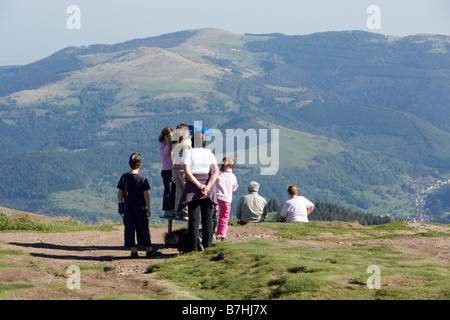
362,118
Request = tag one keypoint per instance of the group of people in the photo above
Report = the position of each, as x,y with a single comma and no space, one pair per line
201,187
195,189
252,207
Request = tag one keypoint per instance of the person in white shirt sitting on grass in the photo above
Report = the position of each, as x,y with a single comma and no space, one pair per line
296,209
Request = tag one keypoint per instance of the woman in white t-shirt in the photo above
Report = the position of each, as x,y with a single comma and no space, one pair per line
297,209
199,194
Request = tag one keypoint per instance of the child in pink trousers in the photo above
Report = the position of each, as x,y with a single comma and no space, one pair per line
226,184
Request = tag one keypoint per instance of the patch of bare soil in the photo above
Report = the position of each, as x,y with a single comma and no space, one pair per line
250,232
49,255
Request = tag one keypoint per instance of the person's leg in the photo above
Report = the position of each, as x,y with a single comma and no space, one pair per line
179,178
184,212
215,217
194,210
143,230
129,222
207,222
142,226
167,179
224,216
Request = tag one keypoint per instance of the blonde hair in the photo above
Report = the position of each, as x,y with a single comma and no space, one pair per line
227,163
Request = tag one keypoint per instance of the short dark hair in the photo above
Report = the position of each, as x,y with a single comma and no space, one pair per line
135,160
293,190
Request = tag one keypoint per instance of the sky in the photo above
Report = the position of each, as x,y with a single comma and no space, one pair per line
34,29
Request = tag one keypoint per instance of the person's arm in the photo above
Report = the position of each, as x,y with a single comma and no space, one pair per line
264,214
283,213
147,202
310,209
212,178
167,150
121,208
191,178
235,184
238,209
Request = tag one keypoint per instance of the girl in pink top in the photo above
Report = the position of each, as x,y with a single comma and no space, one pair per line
165,152
226,184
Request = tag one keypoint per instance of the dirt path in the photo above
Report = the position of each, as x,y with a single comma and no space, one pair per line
116,275
50,254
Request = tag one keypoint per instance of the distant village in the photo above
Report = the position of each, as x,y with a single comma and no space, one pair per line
420,214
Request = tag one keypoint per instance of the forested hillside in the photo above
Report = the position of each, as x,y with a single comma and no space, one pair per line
363,119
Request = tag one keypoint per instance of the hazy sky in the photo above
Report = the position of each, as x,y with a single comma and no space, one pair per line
33,29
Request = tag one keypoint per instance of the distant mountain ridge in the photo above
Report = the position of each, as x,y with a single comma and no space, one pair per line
363,118
56,66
